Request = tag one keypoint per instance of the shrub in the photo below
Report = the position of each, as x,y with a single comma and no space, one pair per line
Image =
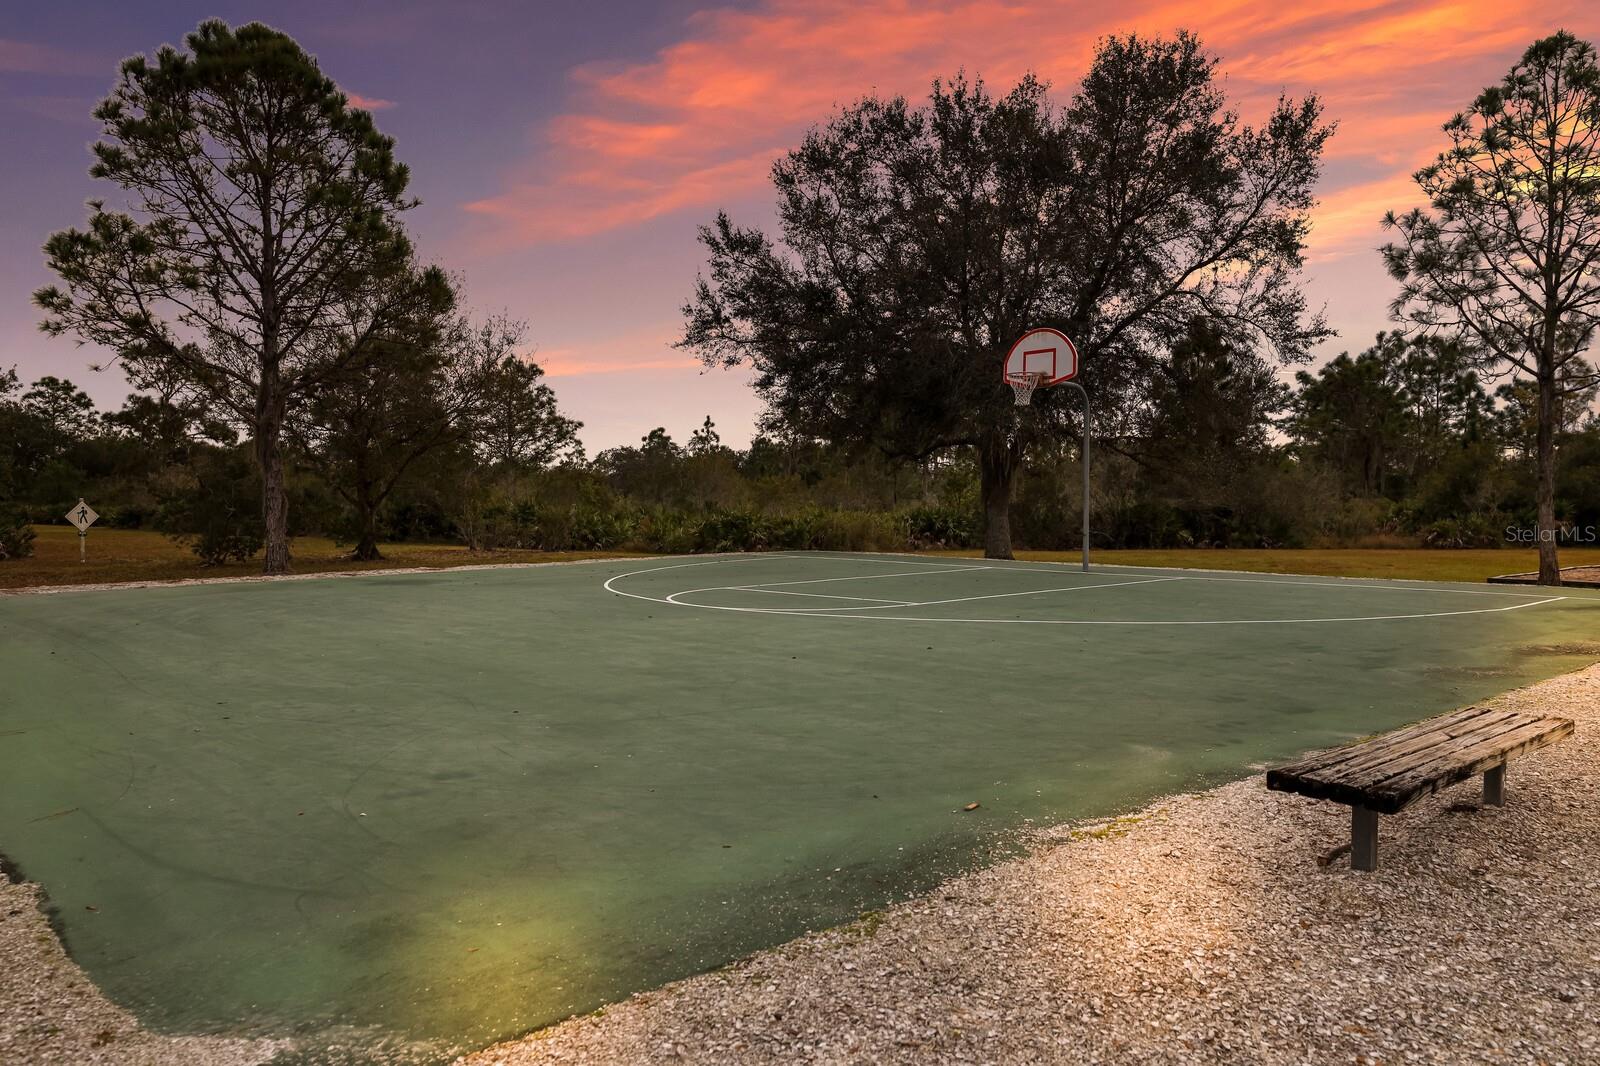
941,526
230,538
665,531
128,516
418,519
214,507
796,530
16,535
1353,521
731,531
850,531
1468,531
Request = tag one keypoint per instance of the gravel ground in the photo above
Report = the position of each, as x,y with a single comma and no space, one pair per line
1198,930
51,1013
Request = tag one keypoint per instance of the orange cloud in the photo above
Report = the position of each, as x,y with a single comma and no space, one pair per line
1394,42
699,124
1349,220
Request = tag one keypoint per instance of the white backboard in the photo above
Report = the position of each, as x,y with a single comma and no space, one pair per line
1043,351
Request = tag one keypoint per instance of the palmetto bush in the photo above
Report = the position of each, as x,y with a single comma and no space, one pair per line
16,535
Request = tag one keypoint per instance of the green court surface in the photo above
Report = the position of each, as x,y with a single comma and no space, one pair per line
431,810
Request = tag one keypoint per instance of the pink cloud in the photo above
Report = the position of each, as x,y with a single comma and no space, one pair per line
601,198
369,103
648,348
579,365
699,124
25,57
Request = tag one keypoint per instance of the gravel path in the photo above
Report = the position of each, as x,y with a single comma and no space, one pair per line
1199,930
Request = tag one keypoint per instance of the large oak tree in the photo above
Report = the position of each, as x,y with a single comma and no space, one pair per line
917,243
262,207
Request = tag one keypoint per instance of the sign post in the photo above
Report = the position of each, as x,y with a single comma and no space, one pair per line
82,517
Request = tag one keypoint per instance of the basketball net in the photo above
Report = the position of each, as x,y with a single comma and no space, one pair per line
1024,384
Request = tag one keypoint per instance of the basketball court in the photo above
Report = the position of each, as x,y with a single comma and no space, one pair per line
439,808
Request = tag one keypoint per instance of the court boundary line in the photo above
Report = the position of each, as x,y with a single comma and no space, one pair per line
673,599
840,612
808,595
903,558
318,575
1261,577
863,577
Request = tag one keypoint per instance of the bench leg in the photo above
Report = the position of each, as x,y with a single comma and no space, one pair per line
1494,786
1363,839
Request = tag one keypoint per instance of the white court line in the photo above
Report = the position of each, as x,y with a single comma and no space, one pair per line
1210,575
674,597
840,613
772,587
1041,592
814,595
1363,585
878,557
876,605
863,577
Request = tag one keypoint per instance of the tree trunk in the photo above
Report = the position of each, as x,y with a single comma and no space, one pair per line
997,464
271,405
367,511
269,455
366,498
1549,567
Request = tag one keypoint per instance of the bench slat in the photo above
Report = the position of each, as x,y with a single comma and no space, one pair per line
1405,789
1358,752
1466,748
1389,773
1369,759
1398,756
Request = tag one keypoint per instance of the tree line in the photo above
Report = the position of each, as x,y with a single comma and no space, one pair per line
1400,444
287,345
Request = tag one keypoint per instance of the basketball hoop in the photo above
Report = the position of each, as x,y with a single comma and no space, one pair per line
1022,385
1040,358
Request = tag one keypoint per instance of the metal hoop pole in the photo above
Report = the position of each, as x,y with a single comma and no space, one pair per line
1085,393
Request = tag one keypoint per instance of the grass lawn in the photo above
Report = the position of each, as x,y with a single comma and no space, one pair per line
138,555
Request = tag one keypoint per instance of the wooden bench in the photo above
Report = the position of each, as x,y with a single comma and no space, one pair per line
1387,774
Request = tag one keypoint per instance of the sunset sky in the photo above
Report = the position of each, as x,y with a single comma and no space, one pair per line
565,152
